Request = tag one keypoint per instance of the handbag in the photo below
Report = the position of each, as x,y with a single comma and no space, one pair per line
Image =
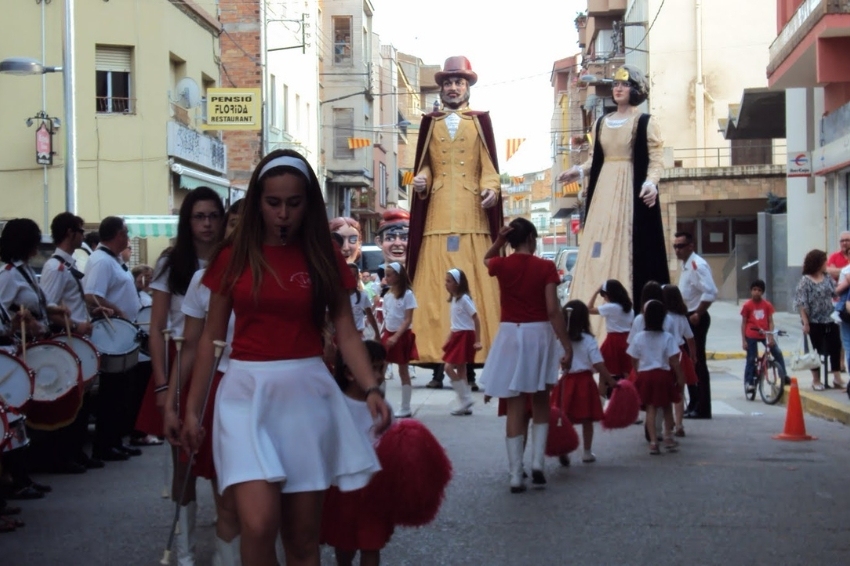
803,358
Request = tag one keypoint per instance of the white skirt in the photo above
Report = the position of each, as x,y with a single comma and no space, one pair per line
524,358
286,421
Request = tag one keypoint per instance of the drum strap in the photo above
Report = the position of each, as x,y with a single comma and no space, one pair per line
42,301
107,251
77,275
4,316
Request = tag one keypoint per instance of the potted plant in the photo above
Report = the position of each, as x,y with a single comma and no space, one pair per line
581,20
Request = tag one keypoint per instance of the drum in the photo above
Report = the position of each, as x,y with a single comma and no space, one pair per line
143,321
15,433
58,393
86,351
16,382
117,340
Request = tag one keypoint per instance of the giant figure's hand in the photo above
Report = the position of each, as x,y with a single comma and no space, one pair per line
570,175
420,183
488,198
648,193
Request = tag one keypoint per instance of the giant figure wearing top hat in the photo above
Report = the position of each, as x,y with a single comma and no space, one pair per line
456,212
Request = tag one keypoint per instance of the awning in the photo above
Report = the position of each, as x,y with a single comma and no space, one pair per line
759,116
192,179
151,226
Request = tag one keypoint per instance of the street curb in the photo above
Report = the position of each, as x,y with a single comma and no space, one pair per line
820,405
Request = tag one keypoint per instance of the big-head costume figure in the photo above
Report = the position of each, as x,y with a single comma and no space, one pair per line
456,211
393,235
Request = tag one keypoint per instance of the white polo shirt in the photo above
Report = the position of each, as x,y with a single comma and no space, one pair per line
107,277
62,287
16,290
696,283
197,304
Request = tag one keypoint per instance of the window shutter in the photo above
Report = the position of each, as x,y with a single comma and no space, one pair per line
113,59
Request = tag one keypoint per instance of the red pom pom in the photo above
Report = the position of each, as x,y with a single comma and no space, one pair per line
624,406
562,438
414,475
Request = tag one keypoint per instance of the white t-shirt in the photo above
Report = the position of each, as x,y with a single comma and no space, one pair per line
462,311
16,290
160,283
196,304
394,309
680,327
616,320
653,349
358,309
107,277
363,418
585,354
639,325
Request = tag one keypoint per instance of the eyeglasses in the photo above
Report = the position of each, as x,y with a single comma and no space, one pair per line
680,246
624,84
201,217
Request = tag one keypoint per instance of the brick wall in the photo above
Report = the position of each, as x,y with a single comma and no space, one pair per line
240,67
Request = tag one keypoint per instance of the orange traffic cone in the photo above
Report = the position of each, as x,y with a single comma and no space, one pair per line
795,427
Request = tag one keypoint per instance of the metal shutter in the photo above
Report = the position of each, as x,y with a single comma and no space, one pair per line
113,59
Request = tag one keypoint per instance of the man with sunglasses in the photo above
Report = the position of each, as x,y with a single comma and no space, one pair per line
699,291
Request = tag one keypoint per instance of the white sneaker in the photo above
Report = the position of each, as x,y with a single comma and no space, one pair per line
403,414
464,410
588,457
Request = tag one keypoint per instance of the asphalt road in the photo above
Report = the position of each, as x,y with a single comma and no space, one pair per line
732,495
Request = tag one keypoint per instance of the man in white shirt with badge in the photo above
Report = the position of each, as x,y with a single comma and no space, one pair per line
108,283
699,291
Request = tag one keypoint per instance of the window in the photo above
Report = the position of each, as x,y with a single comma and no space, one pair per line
284,105
112,79
342,40
308,135
298,115
716,236
382,183
343,128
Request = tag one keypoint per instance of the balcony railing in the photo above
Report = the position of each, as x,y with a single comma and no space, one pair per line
115,105
756,154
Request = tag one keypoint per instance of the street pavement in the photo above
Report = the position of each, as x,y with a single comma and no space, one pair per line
731,495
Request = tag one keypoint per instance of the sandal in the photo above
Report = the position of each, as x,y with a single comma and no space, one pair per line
680,432
653,449
671,445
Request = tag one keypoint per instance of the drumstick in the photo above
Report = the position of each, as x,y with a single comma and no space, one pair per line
23,313
166,556
178,344
67,326
109,322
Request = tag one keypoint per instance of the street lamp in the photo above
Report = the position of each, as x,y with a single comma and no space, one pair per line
26,66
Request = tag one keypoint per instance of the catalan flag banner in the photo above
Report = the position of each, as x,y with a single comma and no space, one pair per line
570,189
357,143
513,146
517,180
407,178
519,197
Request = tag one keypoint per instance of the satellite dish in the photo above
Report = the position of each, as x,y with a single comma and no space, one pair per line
188,93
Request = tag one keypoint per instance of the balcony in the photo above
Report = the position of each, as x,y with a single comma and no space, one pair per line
804,53
606,7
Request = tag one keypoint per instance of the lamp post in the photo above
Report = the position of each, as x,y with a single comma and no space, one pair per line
27,66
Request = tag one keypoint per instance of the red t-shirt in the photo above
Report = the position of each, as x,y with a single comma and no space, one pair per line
837,260
278,324
522,280
757,315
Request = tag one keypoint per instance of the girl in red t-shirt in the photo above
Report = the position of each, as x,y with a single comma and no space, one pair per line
282,433
525,356
398,338
464,338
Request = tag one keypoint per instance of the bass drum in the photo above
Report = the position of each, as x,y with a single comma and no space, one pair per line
117,340
16,382
143,321
58,393
86,351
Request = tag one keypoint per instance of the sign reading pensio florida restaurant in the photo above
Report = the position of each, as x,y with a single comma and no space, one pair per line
233,109
799,164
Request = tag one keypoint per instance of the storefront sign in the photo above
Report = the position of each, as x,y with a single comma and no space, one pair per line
194,147
43,145
799,164
234,109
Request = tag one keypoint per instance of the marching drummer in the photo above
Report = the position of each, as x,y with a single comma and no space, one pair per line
108,283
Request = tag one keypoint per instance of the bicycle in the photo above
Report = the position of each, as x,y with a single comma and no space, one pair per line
769,381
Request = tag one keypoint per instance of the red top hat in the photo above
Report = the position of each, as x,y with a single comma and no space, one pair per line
457,66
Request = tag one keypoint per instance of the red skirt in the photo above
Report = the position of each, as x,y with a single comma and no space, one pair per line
204,466
460,349
404,350
351,522
578,397
613,350
503,406
657,387
149,419
688,367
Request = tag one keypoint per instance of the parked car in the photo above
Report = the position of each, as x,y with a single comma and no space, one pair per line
565,261
548,255
371,257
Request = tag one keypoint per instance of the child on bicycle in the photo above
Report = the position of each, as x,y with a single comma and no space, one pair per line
757,318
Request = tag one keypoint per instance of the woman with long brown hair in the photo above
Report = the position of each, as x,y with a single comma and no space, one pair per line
282,433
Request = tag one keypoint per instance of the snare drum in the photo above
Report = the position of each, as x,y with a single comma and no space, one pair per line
58,393
143,321
16,382
117,340
86,351
14,433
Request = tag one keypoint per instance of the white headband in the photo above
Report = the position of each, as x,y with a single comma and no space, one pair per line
396,266
604,286
455,273
285,161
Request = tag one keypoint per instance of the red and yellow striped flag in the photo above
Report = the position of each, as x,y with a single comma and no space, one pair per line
570,189
407,178
517,180
513,146
357,143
